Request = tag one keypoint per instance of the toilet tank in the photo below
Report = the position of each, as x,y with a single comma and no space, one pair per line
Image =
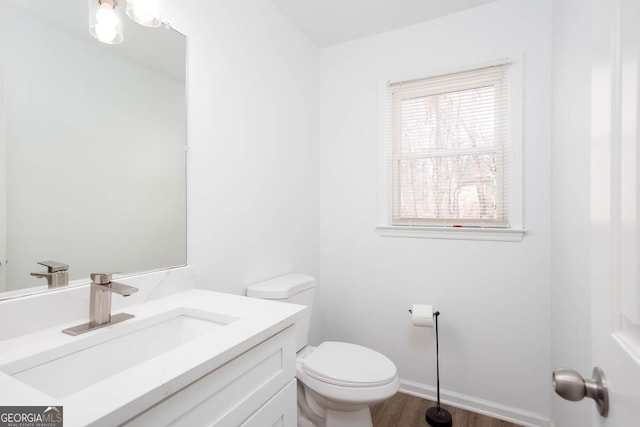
292,288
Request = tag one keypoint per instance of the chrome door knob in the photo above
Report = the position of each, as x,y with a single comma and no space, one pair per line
570,385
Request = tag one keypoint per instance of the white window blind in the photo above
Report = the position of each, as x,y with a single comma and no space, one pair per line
448,149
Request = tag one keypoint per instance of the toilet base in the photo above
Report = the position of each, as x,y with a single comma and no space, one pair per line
361,418
311,414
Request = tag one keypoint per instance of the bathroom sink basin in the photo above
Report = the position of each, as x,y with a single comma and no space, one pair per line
83,362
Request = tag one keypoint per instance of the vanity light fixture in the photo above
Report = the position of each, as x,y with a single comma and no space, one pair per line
144,12
105,17
105,21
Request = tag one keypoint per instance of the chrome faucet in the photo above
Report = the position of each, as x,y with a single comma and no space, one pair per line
100,304
57,273
100,300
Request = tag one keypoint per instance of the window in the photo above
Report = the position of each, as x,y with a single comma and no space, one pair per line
448,149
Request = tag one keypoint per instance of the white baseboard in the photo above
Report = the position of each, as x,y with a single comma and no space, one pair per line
484,407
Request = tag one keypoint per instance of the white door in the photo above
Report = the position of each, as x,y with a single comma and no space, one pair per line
615,206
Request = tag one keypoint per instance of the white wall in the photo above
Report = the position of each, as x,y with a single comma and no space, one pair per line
253,132
95,156
494,296
570,201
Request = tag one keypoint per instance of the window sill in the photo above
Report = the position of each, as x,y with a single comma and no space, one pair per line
452,233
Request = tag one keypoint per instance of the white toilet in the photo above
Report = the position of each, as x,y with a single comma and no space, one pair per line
337,381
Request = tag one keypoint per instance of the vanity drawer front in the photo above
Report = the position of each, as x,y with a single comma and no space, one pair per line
280,411
230,394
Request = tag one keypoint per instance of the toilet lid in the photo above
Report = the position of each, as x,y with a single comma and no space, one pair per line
349,365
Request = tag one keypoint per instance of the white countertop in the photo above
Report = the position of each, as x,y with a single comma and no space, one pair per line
124,395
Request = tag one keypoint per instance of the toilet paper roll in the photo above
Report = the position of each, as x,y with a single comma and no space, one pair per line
422,315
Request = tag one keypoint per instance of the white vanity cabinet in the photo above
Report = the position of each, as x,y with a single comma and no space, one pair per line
255,389
194,358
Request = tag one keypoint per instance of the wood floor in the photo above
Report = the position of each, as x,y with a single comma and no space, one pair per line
403,410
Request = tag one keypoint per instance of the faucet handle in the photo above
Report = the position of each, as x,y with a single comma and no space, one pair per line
101,278
54,266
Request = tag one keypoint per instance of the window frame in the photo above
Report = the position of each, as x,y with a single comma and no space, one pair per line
466,230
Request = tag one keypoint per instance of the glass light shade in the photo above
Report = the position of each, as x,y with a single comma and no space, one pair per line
105,21
144,12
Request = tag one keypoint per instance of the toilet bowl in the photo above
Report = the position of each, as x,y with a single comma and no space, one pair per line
341,381
337,381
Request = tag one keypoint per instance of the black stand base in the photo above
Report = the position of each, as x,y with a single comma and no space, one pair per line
438,417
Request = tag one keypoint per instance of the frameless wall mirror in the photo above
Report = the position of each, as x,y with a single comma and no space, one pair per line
92,146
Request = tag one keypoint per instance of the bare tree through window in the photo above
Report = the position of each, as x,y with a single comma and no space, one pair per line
448,150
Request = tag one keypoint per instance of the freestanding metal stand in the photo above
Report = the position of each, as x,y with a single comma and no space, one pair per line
436,416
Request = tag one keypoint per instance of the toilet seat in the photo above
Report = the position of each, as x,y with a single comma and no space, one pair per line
348,365
349,373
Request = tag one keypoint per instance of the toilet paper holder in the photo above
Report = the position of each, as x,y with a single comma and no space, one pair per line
411,311
437,416
435,313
